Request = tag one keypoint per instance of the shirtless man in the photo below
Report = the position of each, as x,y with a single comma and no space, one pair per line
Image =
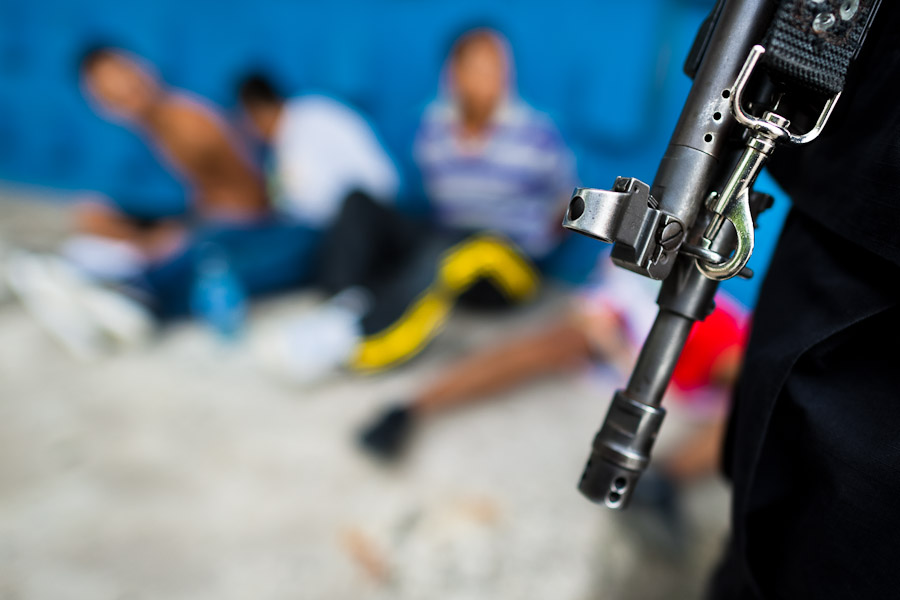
196,143
155,262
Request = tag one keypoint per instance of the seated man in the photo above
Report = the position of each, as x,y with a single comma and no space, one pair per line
186,134
228,207
156,258
488,160
395,279
322,151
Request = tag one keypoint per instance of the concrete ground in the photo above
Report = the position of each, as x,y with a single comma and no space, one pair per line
179,471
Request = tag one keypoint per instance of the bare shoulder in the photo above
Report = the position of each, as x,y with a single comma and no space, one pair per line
192,123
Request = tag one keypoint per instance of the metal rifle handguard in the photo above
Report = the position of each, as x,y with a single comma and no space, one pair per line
673,230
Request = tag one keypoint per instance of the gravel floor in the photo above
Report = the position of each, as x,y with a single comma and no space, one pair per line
181,472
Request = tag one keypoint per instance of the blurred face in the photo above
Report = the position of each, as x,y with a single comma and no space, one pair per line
121,86
479,74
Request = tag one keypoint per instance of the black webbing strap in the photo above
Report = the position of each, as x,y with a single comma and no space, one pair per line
813,42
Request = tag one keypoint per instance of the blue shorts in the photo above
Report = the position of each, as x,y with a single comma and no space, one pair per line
267,257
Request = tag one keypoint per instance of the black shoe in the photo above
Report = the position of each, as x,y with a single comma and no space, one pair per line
386,436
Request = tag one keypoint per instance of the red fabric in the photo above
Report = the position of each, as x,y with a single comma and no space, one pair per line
726,328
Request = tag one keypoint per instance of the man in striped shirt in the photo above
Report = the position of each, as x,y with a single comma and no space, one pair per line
488,160
495,172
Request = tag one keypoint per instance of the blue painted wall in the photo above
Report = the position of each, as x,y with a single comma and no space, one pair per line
609,73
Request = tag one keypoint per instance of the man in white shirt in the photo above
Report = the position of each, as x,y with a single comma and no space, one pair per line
322,152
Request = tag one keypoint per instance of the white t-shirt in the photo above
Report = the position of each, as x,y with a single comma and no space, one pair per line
323,151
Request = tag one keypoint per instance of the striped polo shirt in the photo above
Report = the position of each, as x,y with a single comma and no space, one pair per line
514,180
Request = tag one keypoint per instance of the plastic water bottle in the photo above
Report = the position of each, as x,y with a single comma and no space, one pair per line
218,298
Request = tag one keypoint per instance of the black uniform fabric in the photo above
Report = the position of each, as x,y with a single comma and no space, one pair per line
849,178
813,447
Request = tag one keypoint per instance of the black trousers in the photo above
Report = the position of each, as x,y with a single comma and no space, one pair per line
415,274
813,446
